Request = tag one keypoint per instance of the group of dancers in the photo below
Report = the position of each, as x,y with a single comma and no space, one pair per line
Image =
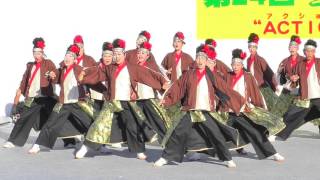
189,106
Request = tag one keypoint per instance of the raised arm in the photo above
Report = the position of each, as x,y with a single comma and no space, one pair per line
268,74
53,72
25,78
176,92
92,75
145,76
254,93
226,95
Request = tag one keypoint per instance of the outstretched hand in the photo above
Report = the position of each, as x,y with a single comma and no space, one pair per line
166,86
52,75
294,78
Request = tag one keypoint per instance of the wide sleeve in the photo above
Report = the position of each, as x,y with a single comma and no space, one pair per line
268,74
226,95
165,62
155,66
25,78
224,68
52,68
157,74
59,74
93,75
190,61
176,92
254,93
91,61
148,77
296,69
152,58
281,74
99,87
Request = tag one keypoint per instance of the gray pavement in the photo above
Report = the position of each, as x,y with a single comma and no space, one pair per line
302,153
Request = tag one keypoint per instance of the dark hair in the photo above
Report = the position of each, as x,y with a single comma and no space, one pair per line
236,53
311,42
252,37
36,40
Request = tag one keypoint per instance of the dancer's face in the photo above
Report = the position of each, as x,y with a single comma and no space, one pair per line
69,59
140,40
80,45
178,44
142,55
211,63
107,58
119,57
309,53
293,50
237,67
38,55
201,62
252,49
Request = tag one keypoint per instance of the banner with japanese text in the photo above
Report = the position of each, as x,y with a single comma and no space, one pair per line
235,19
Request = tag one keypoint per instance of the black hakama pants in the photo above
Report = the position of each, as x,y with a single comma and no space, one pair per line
297,116
252,133
178,142
58,124
153,118
34,116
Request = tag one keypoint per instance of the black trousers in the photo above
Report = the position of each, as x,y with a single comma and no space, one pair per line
118,129
53,128
250,132
134,132
297,116
177,143
145,129
70,128
37,114
153,119
118,133
196,140
97,105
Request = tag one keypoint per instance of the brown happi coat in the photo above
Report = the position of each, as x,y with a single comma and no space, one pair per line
286,69
88,61
263,73
169,61
185,89
76,70
131,56
221,68
301,71
137,74
252,90
45,82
